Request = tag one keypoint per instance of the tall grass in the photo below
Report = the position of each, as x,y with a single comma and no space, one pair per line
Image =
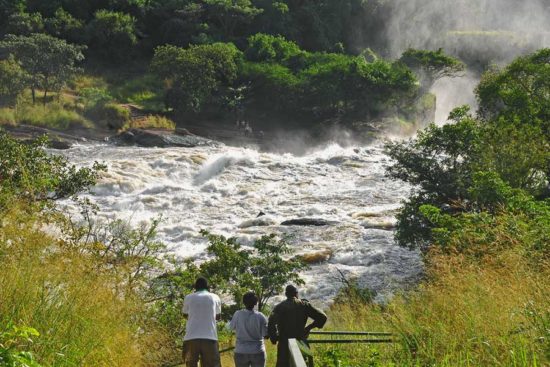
151,122
7,116
52,115
492,313
58,291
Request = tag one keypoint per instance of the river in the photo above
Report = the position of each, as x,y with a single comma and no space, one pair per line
223,189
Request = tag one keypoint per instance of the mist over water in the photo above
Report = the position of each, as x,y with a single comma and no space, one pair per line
480,32
222,189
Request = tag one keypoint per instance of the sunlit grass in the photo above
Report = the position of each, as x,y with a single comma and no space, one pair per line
490,314
57,291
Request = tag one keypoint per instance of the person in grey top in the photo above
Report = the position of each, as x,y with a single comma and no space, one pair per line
251,329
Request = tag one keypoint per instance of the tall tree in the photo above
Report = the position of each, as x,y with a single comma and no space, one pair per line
50,62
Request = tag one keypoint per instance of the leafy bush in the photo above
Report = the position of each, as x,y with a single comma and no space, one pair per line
113,115
12,340
93,97
31,175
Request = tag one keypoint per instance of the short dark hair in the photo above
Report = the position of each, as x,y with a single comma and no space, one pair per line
250,299
201,283
291,291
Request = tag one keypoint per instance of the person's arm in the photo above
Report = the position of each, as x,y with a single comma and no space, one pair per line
185,308
263,327
318,316
218,309
233,323
272,327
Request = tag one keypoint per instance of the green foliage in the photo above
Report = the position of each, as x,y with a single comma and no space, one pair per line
112,35
50,62
12,340
431,65
234,270
507,147
195,75
31,174
64,25
267,48
519,92
24,24
112,115
229,14
12,81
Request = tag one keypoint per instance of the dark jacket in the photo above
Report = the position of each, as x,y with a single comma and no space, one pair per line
289,318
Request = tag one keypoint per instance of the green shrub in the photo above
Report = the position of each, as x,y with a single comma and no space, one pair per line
112,115
14,341
94,96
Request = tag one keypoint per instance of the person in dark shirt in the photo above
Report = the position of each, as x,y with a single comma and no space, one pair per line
288,320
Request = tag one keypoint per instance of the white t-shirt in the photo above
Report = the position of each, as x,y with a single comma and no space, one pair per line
250,327
202,308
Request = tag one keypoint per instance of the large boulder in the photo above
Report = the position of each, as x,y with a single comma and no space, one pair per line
161,139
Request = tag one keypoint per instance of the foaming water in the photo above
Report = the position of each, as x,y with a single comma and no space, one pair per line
223,189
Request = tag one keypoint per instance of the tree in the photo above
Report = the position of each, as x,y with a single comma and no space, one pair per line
196,74
28,173
268,48
13,80
234,270
64,25
228,14
431,65
506,146
50,62
25,24
518,92
439,163
112,35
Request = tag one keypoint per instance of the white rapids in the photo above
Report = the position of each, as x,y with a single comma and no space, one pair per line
222,189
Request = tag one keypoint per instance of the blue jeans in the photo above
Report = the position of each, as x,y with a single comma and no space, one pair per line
250,360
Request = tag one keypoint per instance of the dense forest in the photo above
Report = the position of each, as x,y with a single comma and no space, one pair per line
275,64
83,290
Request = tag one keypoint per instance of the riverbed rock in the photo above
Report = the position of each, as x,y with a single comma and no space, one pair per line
307,222
262,221
316,257
59,144
159,138
386,225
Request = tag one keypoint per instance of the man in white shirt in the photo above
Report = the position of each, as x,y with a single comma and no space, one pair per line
251,329
202,309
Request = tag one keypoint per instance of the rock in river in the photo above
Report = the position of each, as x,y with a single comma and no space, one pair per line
159,138
307,222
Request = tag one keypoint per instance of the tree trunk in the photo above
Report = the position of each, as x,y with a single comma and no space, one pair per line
45,95
33,95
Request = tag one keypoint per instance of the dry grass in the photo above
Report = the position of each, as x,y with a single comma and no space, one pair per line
81,320
493,313
151,122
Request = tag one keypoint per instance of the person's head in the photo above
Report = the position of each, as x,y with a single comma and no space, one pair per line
201,284
291,291
250,300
